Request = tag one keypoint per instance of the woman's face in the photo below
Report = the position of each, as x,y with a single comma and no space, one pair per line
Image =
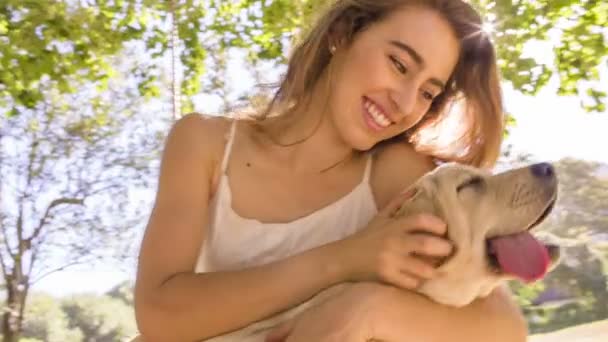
385,80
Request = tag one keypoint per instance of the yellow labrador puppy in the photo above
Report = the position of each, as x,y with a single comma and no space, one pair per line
489,218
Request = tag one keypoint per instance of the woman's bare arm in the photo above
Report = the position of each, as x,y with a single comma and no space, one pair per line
174,304
375,312
404,315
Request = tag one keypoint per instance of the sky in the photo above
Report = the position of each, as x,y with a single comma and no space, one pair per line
551,127
548,126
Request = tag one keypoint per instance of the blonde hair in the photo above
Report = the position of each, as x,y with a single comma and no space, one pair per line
474,84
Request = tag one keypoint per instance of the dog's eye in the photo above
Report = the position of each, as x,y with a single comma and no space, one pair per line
473,182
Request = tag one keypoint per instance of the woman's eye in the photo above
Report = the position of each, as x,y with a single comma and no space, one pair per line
473,183
428,96
398,65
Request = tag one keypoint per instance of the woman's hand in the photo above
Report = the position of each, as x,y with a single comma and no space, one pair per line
400,251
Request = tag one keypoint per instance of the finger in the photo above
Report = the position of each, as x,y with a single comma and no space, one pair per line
427,245
423,222
404,280
418,268
398,201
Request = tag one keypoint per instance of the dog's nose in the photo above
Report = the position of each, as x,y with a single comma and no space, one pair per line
543,170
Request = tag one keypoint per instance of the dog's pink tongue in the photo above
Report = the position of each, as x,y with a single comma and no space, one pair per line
521,255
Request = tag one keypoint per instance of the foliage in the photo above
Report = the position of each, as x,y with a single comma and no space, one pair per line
83,317
69,167
100,318
69,42
46,321
62,41
578,30
122,292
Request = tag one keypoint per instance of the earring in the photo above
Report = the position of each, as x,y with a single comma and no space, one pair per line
332,49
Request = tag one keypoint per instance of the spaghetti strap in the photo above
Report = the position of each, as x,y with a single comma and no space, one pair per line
228,149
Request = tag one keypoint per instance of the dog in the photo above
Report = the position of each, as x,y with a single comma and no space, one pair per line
489,219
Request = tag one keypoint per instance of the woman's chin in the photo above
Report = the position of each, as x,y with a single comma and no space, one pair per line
361,139
364,144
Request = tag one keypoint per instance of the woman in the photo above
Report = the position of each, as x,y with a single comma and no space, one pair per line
255,216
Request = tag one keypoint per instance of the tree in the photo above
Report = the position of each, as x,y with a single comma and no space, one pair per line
46,321
52,39
122,292
579,34
61,41
100,318
69,169
82,317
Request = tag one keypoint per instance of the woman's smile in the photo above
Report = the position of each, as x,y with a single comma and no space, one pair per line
374,116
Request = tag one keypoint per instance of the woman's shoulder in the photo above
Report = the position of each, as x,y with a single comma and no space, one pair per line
397,166
203,137
212,126
201,131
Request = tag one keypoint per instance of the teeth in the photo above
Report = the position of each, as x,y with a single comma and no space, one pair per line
377,115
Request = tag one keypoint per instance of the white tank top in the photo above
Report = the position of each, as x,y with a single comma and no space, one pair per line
233,242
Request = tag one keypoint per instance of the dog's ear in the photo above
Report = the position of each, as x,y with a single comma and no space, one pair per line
416,200
419,200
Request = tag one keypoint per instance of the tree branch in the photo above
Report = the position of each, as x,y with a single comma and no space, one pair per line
53,204
2,227
2,264
5,241
57,269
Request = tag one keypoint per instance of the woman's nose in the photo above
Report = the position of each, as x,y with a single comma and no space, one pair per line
404,100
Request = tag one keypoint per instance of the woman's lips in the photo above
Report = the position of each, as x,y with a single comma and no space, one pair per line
374,116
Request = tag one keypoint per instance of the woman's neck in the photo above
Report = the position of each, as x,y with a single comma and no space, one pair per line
306,139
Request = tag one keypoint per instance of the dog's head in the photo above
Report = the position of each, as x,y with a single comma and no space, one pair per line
489,218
